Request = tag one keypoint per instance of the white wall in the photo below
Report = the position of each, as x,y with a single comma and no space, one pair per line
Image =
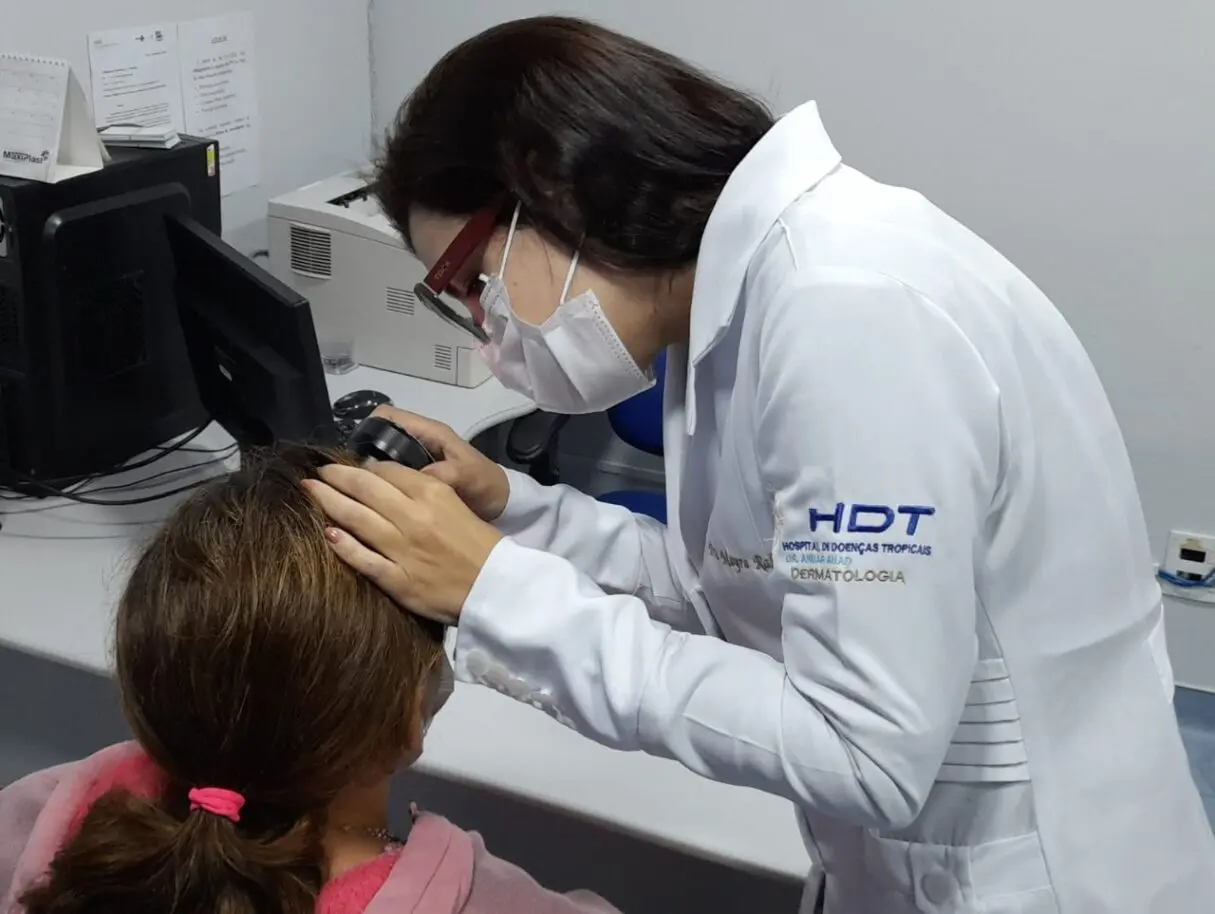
314,92
1077,137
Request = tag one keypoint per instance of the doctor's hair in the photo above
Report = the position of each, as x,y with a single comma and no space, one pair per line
610,145
249,658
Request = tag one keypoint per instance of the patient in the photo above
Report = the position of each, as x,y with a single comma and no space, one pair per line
272,692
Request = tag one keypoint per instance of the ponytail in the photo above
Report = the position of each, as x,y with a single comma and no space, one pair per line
131,856
251,658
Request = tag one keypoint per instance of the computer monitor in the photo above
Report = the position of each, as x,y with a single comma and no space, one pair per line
251,342
93,368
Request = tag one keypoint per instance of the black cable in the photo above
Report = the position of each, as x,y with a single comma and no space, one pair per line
197,450
119,502
162,451
72,492
163,473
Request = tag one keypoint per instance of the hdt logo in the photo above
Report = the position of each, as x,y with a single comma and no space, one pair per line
869,518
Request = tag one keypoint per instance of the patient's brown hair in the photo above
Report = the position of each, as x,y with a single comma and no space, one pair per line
249,658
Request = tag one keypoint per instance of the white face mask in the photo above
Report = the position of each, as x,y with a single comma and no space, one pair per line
572,363
441,688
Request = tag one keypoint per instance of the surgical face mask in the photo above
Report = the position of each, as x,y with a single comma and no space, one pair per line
572,363
441,687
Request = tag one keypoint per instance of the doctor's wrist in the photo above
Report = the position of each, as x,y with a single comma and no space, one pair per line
497,494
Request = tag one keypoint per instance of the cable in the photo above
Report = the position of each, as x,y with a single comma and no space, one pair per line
197,450
86,498
162,451
1207,581
126,486
78,493
119,502
141,482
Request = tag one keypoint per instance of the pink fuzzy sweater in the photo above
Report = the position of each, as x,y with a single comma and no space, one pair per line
440,870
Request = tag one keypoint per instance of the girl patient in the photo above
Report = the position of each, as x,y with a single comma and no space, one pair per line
272,692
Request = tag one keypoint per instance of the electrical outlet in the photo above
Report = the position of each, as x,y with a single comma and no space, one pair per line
1190,557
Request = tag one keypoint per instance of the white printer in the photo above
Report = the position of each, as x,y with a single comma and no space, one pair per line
331,242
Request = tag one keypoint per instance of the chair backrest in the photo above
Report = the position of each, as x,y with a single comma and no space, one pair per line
638,420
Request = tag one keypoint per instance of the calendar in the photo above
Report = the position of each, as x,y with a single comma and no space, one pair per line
46,130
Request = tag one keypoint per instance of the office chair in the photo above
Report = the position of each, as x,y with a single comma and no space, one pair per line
532,443
638,423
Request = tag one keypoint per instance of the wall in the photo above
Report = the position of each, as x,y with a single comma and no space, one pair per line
314,92
1076,137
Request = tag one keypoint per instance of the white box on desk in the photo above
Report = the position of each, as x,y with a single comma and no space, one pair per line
331,242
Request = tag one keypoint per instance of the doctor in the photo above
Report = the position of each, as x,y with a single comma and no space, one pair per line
905,582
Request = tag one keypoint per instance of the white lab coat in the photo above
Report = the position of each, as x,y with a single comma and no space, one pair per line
906,581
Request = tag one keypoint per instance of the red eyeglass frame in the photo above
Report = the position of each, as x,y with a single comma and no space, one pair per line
476,231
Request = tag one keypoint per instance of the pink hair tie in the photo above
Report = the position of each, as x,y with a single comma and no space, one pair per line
217,801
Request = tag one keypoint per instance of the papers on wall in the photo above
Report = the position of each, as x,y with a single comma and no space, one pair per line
136,78
191,77
46,130
220,88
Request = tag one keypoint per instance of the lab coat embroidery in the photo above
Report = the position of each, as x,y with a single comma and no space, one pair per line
862,518
846,575
867,556
756,562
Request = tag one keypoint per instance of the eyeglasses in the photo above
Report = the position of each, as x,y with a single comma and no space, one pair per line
468,241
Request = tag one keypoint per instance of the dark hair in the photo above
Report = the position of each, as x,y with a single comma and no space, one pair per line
608,143
249,658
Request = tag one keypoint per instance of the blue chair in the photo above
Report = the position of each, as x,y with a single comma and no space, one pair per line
638,423
532,443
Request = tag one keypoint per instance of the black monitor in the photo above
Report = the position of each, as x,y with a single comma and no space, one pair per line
93,368
251,342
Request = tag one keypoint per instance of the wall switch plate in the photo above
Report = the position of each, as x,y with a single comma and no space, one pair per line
1190,556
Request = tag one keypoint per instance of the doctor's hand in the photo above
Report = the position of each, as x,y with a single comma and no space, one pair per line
409,533
476,479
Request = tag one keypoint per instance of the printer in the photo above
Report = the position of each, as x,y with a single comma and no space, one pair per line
331,242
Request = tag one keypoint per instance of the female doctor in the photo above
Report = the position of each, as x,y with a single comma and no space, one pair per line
905,581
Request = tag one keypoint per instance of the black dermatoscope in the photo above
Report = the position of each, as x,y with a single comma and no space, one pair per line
374,437
377,438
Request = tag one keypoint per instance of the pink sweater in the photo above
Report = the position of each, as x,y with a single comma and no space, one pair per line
440,870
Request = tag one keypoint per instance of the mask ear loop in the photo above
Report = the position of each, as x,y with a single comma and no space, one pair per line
569,278
510,237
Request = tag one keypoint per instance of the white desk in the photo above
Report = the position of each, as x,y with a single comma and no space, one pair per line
62,568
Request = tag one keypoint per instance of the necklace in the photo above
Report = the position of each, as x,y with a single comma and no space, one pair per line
380,834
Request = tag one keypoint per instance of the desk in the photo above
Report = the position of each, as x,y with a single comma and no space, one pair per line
63,565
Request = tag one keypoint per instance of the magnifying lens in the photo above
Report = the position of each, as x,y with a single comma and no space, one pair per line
377,438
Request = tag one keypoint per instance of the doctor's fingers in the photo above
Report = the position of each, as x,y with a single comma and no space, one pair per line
418,486
386,574
390,494
431,496
379,520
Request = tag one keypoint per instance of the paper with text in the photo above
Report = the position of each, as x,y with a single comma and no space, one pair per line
219,82
46,130
137,77
33,99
